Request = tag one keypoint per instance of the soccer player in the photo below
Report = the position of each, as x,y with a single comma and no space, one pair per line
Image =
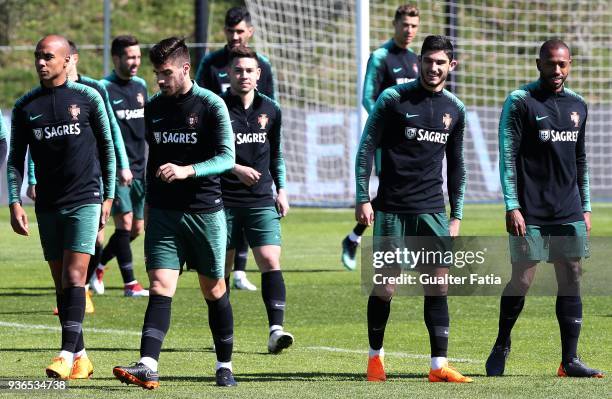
414,124
213,71
190,144
545,181
391,64
3,134
247,191
66,128
123,167
213,74
128,94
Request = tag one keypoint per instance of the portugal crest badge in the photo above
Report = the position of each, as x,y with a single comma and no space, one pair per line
140,99
575,117
447,119
74,112
192,120
262,119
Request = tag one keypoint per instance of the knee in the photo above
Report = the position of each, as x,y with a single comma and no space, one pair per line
159,288
520,285
574,268
384,292
74,277
268,263
136,230
215,292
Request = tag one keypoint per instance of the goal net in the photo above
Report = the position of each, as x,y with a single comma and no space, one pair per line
311,45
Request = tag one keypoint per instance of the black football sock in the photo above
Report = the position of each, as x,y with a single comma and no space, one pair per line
156,325
80,345
73,305
435,313
221,322
359,229
60,313
378,314
94,261
108,253
510,308
274,296
59,299
124,255
569,316
240,254
127,272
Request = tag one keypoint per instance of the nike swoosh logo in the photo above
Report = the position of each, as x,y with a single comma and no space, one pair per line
222,74
539,118
117,101
408,116
226,339
32,118
396,70
157,120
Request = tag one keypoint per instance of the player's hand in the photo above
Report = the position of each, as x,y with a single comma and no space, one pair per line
364,213
453,227
587,222
31,192
282,203
246,175
105,213
170,172
19,220
515,223
125,177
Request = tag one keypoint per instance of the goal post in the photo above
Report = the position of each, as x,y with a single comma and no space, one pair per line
314,48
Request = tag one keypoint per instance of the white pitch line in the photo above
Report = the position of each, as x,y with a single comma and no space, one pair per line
56,328
395,354
312,348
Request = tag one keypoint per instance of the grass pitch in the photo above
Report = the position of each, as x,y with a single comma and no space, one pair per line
325,312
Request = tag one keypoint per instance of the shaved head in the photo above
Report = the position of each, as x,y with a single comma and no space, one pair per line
51,57
553,44
58,42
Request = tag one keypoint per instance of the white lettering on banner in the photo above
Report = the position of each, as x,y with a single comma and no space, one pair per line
489,168
316,151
